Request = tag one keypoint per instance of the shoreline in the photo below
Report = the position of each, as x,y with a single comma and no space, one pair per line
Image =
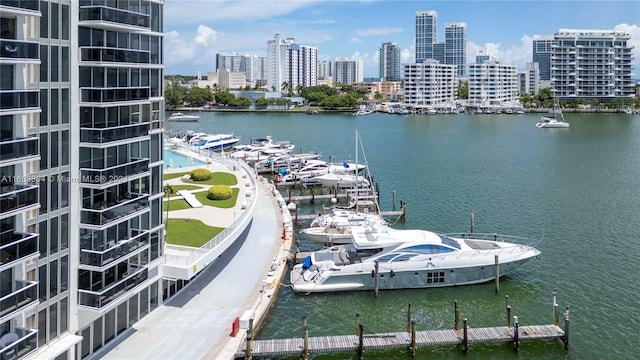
321,111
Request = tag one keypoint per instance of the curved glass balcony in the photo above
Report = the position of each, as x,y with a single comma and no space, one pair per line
17,246
18,198
104,54
25,345
113,15
19,148
22,4
138,275
124,247
19,99
113,211
114,174
22,295
102,136
112,95
14,49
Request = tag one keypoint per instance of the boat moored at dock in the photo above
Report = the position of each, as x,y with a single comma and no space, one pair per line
380,257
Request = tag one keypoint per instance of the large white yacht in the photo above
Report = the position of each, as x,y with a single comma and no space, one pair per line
334,227
384,258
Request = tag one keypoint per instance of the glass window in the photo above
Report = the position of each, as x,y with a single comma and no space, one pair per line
64,154
6,77
122,318
133,309
65,63
53,321
44,20
84,36
97,334
42,283
55,153
64,230
112,39
54,21
65,22
97,37
44,161
55,69
42,326
64,313
44,63
55,117
123,40
64,273
53,278
109,325
53,233
86,341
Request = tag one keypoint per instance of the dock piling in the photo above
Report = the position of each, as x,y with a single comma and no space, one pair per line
360,342
516,335
566,328
414,344
305,337
508,310
393,196
409,318
497,274
457,315
357,324
248,348
375,277
465,337
556,308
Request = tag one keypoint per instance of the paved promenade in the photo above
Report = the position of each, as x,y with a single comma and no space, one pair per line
196,323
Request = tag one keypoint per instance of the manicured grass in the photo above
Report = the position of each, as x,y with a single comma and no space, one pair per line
217,178
187,232
177,188
224,204
173,176
177,204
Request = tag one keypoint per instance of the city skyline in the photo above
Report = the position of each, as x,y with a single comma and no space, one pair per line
356,29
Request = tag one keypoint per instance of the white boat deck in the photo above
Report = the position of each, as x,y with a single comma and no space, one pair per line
190,198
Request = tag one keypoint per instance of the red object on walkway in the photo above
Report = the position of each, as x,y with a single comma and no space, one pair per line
235,327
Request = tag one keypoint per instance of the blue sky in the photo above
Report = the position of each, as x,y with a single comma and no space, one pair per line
196,30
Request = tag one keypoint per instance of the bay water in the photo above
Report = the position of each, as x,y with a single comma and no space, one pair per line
575,193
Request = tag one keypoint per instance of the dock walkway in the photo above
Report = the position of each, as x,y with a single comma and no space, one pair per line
342,343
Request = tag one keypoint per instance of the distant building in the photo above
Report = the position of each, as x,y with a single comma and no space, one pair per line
591,64
389,62
492,83
483,55
391,90
439,50
253,67
429,84
455,52
426,22
347,71
288,61
533,78
542,56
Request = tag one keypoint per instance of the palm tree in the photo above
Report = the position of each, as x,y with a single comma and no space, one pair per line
168,191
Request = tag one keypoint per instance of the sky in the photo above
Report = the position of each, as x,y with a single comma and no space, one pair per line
197,30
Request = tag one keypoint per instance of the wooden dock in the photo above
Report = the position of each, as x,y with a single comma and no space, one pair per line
410,339
297,218
351,343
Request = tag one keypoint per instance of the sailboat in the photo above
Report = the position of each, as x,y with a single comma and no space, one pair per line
553,120
335,226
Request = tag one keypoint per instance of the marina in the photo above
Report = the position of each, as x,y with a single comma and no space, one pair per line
516,178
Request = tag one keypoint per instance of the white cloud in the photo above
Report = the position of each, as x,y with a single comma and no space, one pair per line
634,32
181,51
377,31
355,41
205,36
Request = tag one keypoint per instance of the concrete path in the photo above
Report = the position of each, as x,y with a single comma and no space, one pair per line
196,322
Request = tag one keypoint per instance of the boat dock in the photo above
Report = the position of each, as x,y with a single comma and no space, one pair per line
410,339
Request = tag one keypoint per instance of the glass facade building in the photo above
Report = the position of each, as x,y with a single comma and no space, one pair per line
81,113
389,62
426,22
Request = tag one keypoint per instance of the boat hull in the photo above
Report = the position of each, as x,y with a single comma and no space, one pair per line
362,277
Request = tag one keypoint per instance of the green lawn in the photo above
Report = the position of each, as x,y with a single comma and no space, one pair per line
173,176
224,204
177,188
177,204
187,232
217,178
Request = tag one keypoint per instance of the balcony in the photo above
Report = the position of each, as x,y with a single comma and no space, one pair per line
114,55
136,275
114,174
20,197
124,247
24,293
33,5
102,136
13,49
17,246
101,95
19,148
114,15
25,344
19,99
114,210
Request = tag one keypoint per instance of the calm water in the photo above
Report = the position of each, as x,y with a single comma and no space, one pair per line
575,191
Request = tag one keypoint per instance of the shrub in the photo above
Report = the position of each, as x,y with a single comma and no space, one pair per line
219,192
200,175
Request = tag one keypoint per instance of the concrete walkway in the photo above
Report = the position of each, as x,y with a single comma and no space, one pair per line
196,323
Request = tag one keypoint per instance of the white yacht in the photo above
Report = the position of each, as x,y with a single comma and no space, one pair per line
283,161
551,120
178,116
384,258
214,141
335,227
314,168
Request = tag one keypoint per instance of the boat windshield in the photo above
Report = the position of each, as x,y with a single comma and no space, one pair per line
428,249
449,242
